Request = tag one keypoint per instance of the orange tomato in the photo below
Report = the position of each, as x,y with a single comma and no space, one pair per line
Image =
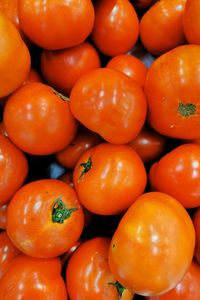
191,21
172,88
153,246
161,26
33,76
116,26
14,56
62,68
108,178
131,66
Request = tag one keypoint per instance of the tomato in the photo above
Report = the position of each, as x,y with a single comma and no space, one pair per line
69,156
109,103
178,173
172,88
7,253
32,278
131,66
67,178
14,55
196,222
3,216
33,76
187,289
44,218
13,169
148,144
153,245
65,256
143,4
38,120
108,178
56,24
191,21
88,276
62,68
161,26
116,26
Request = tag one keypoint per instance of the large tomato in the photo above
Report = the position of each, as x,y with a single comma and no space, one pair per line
178,174
172,88
56,24
187,289
14,57
33,278
7,253
108,178
44,218
61,69
110,103
153,245
161,26
88,276
38,120
116,26
191,21
13,169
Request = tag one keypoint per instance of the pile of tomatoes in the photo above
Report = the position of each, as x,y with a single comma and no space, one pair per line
100,149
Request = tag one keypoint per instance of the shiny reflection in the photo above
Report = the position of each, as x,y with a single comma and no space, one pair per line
114,14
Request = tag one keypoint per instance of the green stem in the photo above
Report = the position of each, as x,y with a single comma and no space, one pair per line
61,96
86,166
60,213
119,287
187,109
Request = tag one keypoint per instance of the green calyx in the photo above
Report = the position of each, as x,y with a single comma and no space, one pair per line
60,213
86,166
119,287
186,110
61,96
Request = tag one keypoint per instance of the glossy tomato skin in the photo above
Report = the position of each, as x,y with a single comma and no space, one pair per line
161,26
56,24
14,68
32,223
172,88
153,245
148,144
10,9
196,222
178,173
7,253
62,68
89,272
13,169
33,76
32,278
115,178
84,140
38,121
109,103
131,66
191,21
187,289
3,216
116,26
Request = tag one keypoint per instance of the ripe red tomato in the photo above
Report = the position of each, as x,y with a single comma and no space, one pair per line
108,178
172,88
61,69
3,216
109,103
187,289
13,169
89,272
32,278
131,66
161,26
116,26
148,144
7,253
33,76
69,156
44,218
38,120
15,57
56,24
178,173
153,245
191,21
196,222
